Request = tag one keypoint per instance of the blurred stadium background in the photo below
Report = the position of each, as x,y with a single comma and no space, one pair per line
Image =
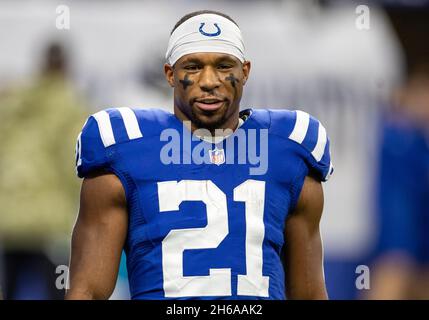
370,88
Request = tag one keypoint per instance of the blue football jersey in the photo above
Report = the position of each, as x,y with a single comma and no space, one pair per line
206,220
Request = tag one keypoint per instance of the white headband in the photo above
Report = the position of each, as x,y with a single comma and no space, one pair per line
205,33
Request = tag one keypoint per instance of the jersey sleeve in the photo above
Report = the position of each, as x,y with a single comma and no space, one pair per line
91,154
307,139
313,144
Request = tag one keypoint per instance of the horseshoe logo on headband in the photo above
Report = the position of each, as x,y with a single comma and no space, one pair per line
209,34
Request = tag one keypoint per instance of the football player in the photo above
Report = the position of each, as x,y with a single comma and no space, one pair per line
206,201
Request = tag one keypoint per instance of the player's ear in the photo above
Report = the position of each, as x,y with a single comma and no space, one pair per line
169,74
246,71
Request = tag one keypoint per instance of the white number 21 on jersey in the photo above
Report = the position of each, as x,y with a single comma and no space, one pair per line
218,283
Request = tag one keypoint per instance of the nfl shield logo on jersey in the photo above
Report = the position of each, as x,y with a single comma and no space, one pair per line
217,156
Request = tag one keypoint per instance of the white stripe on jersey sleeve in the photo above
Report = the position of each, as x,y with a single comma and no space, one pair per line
301,126
131,124
79,150
105,128
329,174
319,149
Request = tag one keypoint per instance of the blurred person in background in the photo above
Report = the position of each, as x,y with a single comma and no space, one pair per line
401,267
38,188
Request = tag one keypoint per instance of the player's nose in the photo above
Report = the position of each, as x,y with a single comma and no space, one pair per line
209,79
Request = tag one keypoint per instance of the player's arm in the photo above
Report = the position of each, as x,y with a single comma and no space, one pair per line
303,251
98,238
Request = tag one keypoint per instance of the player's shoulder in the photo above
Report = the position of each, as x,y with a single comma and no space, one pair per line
112,127
305,134
118,125
300,127
283,121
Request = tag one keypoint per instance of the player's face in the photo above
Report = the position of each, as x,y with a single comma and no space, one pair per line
208,88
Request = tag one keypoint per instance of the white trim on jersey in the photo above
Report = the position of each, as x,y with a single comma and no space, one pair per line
329,174
300,132
79,149
130,122
105,128
301,126
319,149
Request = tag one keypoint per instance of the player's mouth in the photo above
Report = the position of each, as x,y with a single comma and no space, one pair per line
209,104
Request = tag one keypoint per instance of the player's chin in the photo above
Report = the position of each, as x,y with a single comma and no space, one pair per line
210,119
